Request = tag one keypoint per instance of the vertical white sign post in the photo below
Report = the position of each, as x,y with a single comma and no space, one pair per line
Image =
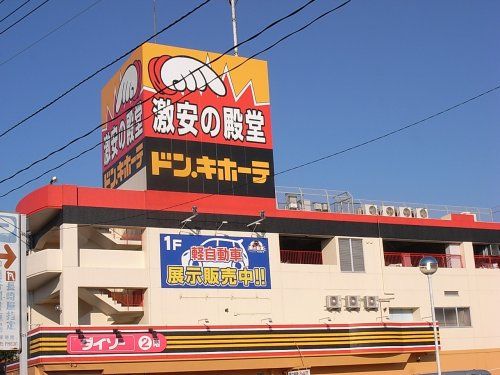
12,283
23,356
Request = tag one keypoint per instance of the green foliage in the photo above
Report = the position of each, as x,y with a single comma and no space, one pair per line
8,355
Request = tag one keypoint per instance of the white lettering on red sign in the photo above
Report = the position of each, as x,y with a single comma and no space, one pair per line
113,343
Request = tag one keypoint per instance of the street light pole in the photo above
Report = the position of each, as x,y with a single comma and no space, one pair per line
434,328
428,266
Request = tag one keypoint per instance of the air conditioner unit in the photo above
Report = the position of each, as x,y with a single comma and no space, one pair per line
405,212
292,202
422,213
371,302
388,210
317,206
370,209
307,205
352,302
333,303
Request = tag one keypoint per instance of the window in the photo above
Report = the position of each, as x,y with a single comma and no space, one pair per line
401,315
351,255
453,316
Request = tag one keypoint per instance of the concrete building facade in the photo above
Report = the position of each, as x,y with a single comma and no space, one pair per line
95,273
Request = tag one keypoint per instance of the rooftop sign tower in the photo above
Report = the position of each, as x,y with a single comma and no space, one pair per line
188,121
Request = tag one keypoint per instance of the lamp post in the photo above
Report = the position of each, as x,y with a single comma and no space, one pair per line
428,266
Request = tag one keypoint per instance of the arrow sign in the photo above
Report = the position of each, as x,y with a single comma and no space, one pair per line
9,256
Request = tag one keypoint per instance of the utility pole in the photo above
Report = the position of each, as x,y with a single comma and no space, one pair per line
235,34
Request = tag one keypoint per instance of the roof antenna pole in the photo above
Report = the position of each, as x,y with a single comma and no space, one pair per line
154,20
235,34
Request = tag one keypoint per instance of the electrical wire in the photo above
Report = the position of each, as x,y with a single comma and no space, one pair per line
15,10
314,161
49,33
74,87
24,17
99,126
358,145
218,76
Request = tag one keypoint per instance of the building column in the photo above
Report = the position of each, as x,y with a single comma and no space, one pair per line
68,295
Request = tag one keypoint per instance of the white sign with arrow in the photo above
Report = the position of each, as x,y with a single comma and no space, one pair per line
10,245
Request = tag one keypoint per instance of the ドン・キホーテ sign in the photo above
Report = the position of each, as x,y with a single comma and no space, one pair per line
190,121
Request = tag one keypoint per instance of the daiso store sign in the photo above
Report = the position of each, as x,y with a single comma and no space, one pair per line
214,262
190,121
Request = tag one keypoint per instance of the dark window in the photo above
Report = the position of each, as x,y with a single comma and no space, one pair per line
453,316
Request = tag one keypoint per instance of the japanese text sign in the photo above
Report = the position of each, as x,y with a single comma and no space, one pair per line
176,95
209,168
90,343
214,262
10,234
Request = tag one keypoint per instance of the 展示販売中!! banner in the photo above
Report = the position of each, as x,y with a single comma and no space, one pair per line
214,262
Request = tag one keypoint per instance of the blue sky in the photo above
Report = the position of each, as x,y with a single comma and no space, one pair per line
372,67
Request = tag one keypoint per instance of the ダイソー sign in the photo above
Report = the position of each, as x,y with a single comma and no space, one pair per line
201,120
214,262
92,343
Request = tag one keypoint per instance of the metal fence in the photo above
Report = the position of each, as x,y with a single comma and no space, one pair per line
413,259
338,201
301,257
487,261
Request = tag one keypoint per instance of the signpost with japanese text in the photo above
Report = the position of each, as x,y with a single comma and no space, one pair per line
195,121
10,293
214,262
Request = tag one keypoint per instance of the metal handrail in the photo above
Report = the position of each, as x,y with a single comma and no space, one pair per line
487,261
412,259
125,297
340,201
301,257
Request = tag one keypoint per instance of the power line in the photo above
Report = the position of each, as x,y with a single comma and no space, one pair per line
49,33
387,134
60,96
24,17
194,200
187,94
15,10
99,126
314,161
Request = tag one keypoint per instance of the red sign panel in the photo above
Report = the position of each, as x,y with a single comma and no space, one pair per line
111,343
204,116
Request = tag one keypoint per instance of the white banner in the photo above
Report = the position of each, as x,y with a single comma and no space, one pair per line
10,296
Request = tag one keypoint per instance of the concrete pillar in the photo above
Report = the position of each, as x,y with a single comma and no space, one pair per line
468,255
68,299
329,252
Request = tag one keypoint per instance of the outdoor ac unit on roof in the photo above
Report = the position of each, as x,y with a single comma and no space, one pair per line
388,210
317,206
352,302
371,209
292,202
405,212
371,302
422,213
333,303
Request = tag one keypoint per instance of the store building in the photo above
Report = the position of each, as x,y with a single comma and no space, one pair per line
191,260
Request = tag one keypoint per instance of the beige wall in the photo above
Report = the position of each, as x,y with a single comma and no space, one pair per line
297,296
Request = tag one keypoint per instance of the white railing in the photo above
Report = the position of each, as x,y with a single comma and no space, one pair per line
338,201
